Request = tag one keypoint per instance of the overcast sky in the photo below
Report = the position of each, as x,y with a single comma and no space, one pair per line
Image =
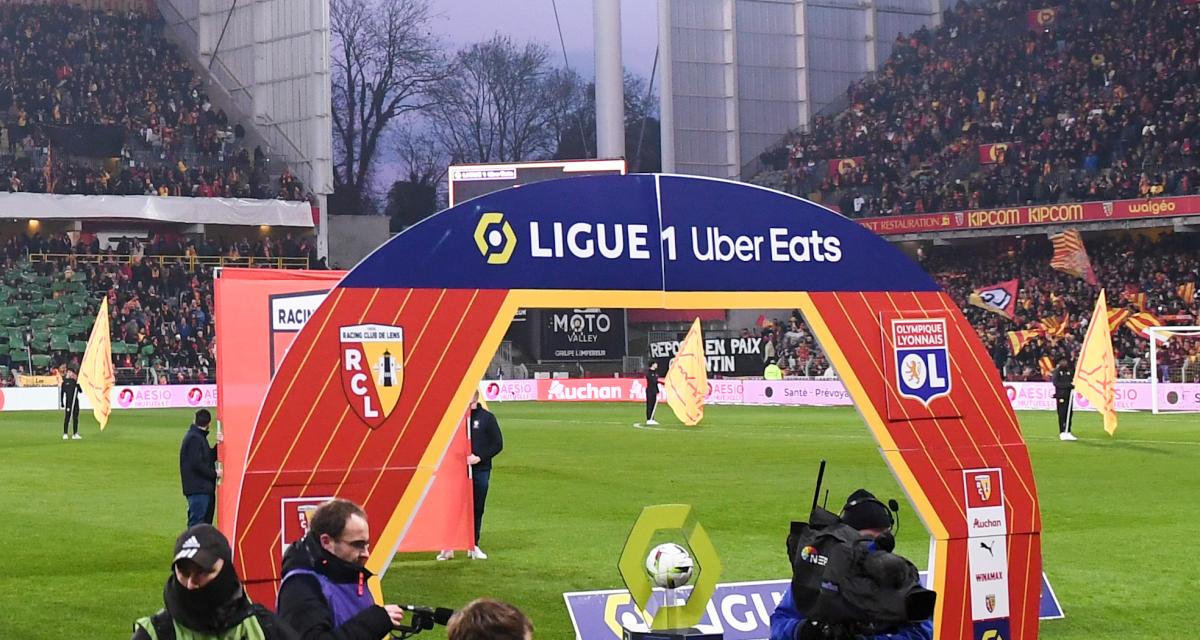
466,21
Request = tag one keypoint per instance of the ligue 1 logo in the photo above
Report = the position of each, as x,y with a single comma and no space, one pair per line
922,358
372,366
983,486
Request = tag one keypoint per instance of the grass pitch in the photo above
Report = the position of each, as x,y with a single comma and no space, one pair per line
88,525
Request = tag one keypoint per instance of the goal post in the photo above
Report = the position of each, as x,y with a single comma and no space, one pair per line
1163,334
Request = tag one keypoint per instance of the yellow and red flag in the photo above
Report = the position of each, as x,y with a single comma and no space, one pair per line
96,377
1096,371
1117,317
1046,365
1138,299
1139,322
1018,339
1187,292
1070,256
687,379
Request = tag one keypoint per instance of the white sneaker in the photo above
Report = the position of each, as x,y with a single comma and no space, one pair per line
652,422
76,437
1067,436
445,555
65,437
477,554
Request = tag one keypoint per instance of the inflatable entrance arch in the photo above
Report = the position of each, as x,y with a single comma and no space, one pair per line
367,399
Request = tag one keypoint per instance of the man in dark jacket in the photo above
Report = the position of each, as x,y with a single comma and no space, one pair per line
68,401
1064,383
198,470
324,594
486,443
204,597
651,392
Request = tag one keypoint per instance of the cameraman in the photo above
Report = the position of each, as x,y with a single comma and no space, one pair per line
324,594
872,519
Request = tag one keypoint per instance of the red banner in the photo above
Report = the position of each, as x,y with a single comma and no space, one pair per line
1072,213
1042,18
844,165
993,152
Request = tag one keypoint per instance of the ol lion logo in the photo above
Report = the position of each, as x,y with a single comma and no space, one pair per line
372,366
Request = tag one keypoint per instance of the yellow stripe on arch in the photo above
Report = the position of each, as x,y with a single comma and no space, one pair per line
401,517
871,416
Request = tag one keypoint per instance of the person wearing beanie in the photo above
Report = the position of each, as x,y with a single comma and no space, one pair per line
324,594
862,511
205,598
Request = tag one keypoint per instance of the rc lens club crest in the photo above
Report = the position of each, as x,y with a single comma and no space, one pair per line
372,368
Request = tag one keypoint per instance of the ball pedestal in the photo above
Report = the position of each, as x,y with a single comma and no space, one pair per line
691,633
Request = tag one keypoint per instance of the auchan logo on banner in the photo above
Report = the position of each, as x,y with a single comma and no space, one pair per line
372,369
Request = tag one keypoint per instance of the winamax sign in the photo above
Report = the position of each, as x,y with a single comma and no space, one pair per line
583,334
723,356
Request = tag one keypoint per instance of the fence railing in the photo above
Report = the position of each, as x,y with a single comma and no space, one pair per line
191,262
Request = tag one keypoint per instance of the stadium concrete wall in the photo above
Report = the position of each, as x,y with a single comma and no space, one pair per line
351,238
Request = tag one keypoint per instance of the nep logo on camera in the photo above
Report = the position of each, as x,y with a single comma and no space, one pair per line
922,358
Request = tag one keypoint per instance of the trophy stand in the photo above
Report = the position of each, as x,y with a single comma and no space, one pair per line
671,602
672,620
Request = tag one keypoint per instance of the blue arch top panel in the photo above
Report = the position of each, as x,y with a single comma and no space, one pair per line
640,232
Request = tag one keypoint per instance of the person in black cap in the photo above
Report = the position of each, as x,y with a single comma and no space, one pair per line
204,597
864,512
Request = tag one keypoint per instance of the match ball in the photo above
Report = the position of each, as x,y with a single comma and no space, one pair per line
669,566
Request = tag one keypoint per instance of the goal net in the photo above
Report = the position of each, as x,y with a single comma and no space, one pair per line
1174,360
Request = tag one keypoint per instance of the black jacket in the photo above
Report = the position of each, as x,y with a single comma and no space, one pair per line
486,441
68,394
1064,381
224,619
197,463
303,607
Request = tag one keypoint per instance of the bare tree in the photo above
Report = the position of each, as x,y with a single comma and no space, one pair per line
384,60
498,103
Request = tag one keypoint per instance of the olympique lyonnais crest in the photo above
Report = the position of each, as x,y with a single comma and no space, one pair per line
372,365
983,486
922,358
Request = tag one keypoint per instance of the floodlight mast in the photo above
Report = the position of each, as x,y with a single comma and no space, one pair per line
610,83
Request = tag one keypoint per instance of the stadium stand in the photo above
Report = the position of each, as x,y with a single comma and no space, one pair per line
98,102
987,111
1127,266
159,295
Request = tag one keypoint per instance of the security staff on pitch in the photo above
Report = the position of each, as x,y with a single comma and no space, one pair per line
486,443
1064,383
651,391
68,401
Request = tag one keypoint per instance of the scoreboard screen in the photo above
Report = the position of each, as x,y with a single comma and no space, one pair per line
473,180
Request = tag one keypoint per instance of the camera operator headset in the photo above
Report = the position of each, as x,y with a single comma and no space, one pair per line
873,520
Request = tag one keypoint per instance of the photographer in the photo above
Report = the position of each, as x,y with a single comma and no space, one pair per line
872,519
324,594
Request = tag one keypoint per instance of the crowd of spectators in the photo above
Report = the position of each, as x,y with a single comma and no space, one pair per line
1125,266
65,67
1101,104
157,297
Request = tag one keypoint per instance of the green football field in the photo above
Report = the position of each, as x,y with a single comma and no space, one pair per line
87,526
